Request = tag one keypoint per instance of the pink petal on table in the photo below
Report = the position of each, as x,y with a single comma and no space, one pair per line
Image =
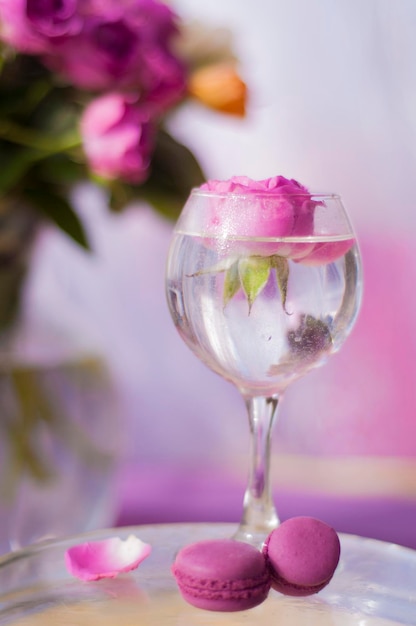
105,559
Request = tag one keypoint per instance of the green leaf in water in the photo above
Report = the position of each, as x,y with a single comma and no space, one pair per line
254,273
232,282
281,265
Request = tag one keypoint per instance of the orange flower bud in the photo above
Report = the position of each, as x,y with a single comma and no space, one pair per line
219,87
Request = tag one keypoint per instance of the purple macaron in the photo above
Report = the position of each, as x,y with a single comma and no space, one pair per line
222,575
302,554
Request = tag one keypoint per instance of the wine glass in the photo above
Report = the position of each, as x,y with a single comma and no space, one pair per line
263,286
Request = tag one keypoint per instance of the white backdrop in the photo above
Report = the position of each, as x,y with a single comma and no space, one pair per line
333,104
333,100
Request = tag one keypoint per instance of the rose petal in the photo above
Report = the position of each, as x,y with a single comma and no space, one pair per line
105,559
327,252
272,208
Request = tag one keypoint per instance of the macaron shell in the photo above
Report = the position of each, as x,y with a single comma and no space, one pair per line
302,554
280,585
222,575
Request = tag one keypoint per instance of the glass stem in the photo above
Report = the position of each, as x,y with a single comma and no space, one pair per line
259,514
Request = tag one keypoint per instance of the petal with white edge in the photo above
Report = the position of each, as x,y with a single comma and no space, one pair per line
105,559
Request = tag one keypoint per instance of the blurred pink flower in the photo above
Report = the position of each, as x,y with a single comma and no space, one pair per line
118,136
102,44
32,25
124,45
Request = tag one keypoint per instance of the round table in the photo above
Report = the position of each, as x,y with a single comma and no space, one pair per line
375,584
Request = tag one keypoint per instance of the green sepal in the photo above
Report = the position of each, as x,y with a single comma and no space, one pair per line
254,273
232,282
281,265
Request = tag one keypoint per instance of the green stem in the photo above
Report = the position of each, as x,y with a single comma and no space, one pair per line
39,141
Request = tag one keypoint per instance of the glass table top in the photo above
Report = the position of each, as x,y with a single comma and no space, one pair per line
375,584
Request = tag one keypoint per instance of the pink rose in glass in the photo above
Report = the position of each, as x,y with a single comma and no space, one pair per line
326,252
118,137
273,208
31,26
241,209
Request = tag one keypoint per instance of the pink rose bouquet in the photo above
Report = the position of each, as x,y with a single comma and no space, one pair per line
86,89
33,26
102,45
118,137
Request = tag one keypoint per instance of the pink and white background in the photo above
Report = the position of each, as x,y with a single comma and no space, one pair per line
332,104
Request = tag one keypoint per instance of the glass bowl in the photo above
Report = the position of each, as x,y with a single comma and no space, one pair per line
374,585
